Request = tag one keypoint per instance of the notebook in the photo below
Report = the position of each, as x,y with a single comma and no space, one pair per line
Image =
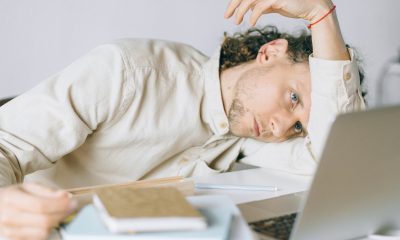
355,191
84,195
147,209
87,225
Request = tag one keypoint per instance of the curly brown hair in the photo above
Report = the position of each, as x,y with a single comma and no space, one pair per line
243,47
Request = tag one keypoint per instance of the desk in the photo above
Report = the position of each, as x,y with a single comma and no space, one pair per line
285,200
286,183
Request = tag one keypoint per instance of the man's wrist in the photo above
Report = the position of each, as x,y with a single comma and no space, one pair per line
327,39
320,11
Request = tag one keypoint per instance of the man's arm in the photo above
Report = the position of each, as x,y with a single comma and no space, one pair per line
326,36
48,122
51,120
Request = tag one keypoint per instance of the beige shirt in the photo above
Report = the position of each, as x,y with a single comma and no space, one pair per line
138,109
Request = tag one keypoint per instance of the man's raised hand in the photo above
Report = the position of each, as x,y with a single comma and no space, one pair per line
306,9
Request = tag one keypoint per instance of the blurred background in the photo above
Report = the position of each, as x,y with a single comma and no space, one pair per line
39,38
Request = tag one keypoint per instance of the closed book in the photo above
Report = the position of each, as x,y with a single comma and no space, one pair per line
147,210
87,225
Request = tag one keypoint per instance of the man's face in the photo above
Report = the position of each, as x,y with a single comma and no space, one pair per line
272,101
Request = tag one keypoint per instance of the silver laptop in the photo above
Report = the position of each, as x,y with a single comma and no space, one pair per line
356,188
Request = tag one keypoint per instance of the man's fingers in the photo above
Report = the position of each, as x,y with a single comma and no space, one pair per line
244,6
258,10
31,211
231,8
30,233
43,191
16,218
241,7
24,201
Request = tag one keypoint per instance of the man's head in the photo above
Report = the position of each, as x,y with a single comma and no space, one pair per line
270,94
266,84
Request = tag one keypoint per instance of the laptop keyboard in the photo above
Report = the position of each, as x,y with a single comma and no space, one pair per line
277,227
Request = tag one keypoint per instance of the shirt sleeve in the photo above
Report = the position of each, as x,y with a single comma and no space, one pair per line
40,126
335,89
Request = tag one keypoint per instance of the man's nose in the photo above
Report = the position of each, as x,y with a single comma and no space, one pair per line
280,123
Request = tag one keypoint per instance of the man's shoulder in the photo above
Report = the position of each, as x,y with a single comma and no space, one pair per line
151,44
156,52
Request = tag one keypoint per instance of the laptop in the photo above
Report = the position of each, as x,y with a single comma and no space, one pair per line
356,188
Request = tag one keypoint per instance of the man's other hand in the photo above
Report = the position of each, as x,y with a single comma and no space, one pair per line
30,211
305,9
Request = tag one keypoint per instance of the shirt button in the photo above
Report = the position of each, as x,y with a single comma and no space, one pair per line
223,125
347,76
183,161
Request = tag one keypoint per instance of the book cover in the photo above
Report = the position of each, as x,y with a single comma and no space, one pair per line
87,225
147,209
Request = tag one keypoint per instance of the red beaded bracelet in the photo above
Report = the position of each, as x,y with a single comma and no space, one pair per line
330,11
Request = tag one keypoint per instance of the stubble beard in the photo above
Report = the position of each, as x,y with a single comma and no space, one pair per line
236,112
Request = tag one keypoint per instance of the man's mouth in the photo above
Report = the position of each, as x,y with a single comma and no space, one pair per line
256,128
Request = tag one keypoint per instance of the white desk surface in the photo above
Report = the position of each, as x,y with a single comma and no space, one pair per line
239,229
286,183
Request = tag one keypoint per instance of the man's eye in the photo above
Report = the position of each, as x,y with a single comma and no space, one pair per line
294,97
298,127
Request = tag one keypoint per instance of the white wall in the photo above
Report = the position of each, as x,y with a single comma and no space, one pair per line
40,37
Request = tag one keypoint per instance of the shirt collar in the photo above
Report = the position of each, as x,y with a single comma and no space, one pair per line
213,109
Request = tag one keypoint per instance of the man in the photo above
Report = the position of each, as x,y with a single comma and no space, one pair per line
140,109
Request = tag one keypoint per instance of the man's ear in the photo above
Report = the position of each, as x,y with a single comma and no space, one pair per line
272,50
